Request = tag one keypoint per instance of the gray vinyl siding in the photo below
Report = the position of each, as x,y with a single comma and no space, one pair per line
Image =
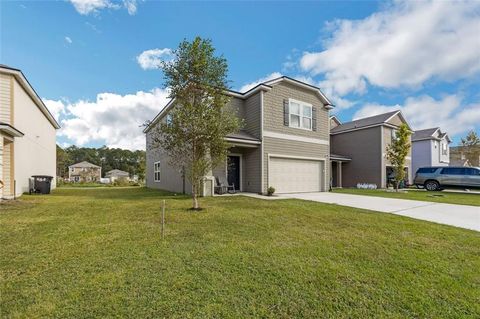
295,148
387,139
364,147
273,110
252,115
170,178
250,168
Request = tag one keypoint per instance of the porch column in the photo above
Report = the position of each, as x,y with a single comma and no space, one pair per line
339,174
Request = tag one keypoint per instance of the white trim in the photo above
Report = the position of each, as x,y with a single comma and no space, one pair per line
365,127
239,140
296,138
239,95
305,86
22,80
241,168
159,171
399,113
300,114
325,188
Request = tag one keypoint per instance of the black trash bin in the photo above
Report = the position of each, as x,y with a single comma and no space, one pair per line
41,184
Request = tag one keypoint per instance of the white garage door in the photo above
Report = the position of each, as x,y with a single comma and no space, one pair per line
289,175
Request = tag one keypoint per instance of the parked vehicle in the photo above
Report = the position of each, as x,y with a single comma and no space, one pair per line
436,178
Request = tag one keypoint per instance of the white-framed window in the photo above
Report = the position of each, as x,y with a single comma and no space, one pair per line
444,149
300,114
156,171
394,135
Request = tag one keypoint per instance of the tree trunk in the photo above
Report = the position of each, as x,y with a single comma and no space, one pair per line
397,183
195,196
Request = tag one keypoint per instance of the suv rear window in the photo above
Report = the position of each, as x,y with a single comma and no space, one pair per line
426,170
472,171
453,171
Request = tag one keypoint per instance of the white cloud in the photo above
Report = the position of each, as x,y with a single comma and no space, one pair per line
253,84
68,40
404,45
87,7
57,108
150,59
423,112
112,119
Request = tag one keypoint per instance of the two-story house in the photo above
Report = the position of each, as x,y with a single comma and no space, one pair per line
27,134
284,142
84,172
358,150
430,147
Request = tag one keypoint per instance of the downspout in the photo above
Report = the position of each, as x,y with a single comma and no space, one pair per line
262,164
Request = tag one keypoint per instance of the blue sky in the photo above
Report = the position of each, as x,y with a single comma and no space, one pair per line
82,57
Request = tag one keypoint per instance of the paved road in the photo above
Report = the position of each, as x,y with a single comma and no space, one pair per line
455,215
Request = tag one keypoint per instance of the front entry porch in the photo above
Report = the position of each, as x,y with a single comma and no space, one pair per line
336,162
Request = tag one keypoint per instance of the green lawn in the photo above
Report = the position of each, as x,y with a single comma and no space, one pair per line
84,253
438,197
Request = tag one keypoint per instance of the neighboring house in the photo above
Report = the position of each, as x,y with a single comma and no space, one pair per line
84,172
116,174
460,157
27,134
358,150
430,147
284,142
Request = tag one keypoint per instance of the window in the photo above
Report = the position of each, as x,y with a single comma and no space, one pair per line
169,119
156,171
444,149
472,171
300,114
426,170
453,171
394,135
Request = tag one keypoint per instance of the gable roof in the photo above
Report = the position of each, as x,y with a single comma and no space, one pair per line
264,86
84,164
376,120
334,118
117,171
20,77
430,134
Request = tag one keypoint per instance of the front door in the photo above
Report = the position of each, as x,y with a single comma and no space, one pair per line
233,171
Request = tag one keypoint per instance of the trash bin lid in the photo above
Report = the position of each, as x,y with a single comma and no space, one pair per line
42,176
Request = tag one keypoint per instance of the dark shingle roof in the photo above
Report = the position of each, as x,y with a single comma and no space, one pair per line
242,135
424,134
117,171
367,121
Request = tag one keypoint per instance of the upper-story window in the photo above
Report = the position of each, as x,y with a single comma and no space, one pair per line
444,149
300,114
394,135
169,119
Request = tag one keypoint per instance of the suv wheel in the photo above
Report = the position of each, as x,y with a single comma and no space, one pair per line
432,186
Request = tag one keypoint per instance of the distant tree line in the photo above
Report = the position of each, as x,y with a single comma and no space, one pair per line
132,162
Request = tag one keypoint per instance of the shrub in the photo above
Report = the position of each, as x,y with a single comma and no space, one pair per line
270,191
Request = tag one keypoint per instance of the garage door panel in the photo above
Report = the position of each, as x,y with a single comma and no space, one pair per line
289,175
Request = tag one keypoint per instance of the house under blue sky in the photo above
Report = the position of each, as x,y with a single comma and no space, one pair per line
94,62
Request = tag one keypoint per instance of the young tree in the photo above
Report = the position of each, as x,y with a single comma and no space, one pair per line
397,152
471,147
194,134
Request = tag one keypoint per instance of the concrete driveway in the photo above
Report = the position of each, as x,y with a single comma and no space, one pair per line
455,215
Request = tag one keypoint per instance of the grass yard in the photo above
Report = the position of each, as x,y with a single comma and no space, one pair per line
85,253
437,197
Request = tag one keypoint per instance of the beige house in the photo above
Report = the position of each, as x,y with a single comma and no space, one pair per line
116,174
84,172
358,150
284,142
27,134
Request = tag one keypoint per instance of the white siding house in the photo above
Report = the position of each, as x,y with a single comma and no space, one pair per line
430,147
27,134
